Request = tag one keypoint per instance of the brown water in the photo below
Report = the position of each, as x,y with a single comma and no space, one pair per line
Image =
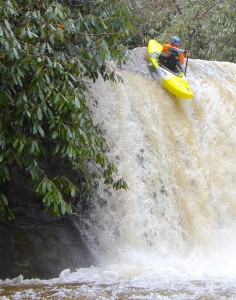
194,290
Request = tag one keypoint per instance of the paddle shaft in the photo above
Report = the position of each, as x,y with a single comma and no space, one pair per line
191,35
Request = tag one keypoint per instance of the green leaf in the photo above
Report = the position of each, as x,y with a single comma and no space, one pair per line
63,207
47,79
4,209
41,131
51,39
39,114
73,191
29,32
16,142
7,24
16,54
76,102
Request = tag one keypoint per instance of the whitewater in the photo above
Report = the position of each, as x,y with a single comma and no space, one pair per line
171,235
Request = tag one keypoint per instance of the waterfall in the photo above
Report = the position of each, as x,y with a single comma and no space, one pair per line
178,159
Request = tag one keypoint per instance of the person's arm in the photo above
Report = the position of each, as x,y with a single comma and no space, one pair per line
174,50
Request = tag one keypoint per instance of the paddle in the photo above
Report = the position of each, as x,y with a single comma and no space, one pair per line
191,36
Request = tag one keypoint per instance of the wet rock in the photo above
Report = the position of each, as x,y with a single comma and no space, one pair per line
37,244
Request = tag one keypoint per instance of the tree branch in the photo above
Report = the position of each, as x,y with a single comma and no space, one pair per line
196,18
177,7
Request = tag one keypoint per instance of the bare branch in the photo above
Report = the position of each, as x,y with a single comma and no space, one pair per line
177,7
196,18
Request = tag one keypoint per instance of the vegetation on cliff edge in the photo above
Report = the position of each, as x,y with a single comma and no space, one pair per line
47,49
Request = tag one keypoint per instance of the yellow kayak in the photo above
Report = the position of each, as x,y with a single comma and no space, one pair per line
175,84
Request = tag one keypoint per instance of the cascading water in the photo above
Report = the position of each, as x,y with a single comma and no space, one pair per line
177,157
171,235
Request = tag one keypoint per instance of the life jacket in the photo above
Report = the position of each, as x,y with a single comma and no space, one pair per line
170,57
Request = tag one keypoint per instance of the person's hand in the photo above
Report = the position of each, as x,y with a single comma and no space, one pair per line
187,53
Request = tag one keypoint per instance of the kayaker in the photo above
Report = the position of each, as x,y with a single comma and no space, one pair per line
172,57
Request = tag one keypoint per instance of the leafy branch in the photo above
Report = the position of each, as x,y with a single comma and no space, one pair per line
46,129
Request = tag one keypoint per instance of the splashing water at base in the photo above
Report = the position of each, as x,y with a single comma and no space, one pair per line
172,234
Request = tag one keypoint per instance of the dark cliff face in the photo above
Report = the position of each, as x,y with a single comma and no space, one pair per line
36,244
